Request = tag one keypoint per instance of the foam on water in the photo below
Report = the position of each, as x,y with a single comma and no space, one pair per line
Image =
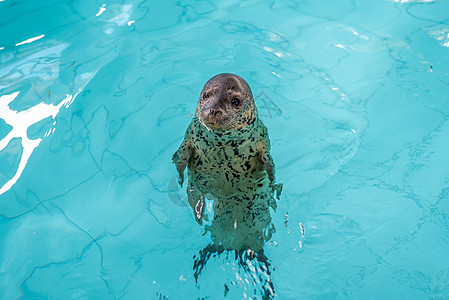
95,98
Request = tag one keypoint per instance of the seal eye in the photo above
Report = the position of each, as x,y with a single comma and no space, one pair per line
205,95
235,102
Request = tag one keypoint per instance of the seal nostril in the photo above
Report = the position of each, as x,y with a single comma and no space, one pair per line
213,113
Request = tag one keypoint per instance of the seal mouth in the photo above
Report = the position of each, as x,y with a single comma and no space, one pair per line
214,120
215,128
214,125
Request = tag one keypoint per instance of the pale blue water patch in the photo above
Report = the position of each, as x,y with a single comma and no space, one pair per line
96,96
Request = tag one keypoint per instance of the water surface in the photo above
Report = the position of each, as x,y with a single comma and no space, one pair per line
95,98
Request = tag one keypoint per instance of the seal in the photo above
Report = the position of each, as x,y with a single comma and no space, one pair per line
226,150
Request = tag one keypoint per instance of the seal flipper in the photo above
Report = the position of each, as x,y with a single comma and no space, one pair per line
268,163
181,158
196,201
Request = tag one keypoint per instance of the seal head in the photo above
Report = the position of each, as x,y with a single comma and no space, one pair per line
226,104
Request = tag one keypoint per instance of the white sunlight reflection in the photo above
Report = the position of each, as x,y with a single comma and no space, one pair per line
20,121
31,40
102,9
441,35
412,1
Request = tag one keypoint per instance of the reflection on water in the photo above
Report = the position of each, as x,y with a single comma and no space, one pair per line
41,66
21,121
30,40
36,75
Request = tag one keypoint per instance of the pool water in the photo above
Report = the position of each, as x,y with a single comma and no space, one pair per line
95,97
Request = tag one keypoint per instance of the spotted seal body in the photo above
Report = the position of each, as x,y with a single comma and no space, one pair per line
226,151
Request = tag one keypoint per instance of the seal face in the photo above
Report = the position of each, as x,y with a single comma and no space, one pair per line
226,103
226,151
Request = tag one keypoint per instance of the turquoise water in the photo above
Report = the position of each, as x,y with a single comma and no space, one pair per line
96,96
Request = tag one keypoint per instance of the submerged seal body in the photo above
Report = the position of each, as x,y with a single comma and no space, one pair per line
226,151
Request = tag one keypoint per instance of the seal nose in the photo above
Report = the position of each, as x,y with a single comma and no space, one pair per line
215,112
212,113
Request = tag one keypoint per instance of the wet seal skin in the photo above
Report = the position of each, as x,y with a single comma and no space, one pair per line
226,150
